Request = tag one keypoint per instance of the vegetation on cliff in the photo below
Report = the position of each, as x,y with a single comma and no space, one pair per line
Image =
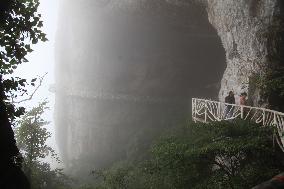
270,82
217,155
32,135
237,154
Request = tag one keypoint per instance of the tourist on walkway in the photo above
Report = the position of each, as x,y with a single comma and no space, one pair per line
230,99
243,100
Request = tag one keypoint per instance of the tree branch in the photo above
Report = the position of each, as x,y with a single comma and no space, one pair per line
31,96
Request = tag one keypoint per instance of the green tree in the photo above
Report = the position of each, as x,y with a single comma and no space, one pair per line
219,155
31,136
20,26
216,155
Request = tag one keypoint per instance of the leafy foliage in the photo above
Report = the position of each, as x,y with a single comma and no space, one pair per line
216,155
31,137
271,81
271,84
45,177
20,27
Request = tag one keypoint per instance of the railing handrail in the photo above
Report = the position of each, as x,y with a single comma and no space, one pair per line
210,110
244,106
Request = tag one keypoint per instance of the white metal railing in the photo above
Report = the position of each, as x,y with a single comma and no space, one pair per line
207,110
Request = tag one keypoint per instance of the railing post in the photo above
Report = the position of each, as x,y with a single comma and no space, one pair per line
274,119
205,111
193,108
263,121
219,111
242,112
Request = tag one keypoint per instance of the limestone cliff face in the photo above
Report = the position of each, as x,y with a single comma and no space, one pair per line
125,69
242,26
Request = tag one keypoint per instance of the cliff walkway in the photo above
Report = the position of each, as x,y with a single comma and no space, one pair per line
208,110
104,95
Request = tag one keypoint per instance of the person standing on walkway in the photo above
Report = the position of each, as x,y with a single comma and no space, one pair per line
243,100
230,99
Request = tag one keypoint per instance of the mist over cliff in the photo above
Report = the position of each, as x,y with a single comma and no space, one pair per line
127,69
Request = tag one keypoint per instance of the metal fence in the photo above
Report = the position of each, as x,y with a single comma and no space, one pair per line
207,110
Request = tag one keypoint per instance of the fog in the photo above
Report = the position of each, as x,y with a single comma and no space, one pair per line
41,62
124,72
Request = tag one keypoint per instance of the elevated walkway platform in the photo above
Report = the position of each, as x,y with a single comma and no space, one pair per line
208,110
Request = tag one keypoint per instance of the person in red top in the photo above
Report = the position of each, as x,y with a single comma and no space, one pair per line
243,100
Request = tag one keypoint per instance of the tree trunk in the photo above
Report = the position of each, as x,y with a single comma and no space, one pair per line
11,175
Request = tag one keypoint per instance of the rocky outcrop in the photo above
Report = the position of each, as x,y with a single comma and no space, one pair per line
243,27
125,69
